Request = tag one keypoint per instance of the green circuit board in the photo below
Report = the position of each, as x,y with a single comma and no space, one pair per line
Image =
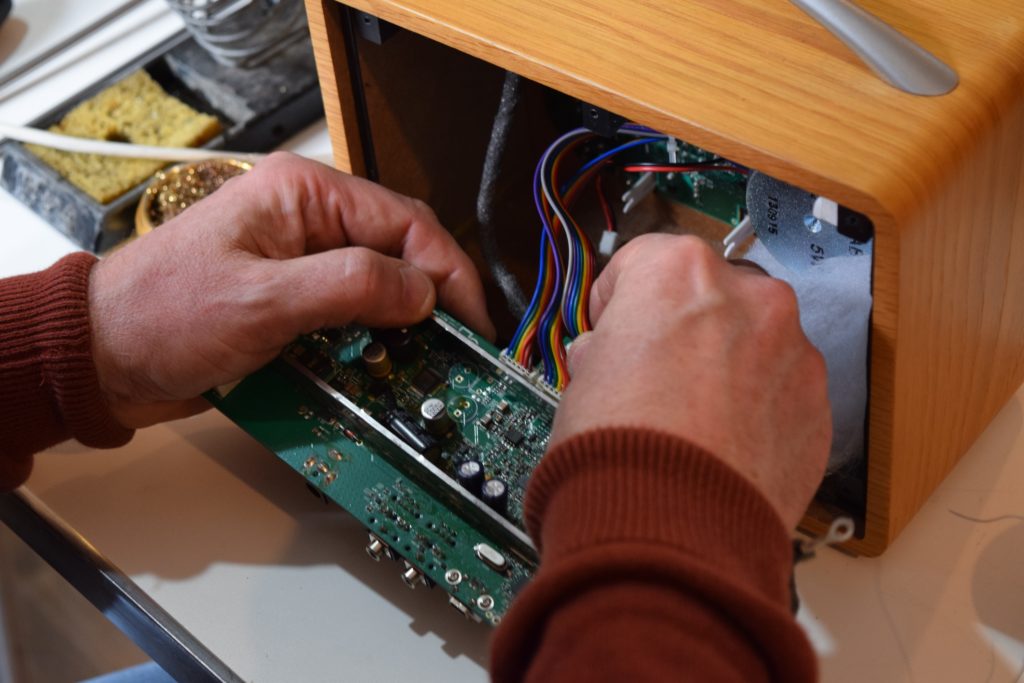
721,195
359,439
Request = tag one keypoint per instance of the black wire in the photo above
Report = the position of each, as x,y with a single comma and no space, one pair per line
514,296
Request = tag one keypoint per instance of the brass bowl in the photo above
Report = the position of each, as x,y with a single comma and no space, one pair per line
174,189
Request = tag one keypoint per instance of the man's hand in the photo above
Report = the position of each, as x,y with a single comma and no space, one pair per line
287,248
690,345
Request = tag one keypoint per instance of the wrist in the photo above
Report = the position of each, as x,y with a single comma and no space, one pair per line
654,488
52,308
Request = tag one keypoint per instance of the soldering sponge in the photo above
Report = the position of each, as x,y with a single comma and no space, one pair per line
135,109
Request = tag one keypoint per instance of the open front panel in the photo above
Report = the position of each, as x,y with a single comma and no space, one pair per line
430,112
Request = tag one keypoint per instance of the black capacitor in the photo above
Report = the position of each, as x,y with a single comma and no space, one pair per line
494,492
414,435
470,473
398,342
435,416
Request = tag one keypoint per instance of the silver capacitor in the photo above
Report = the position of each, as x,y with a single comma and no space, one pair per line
435,416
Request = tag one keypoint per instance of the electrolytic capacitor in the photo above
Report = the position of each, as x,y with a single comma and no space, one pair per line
435,416
470,473
494,492
376,360
398,342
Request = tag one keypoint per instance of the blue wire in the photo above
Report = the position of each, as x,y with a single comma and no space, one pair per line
576,285
532,309
610,153
517,338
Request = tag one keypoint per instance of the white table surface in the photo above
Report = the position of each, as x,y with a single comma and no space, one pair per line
226,538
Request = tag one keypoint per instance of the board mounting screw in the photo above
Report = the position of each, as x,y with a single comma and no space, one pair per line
453,577
485,602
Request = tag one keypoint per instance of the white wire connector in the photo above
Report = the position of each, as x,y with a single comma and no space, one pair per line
740,234
643,186
672,147
609,240
69,143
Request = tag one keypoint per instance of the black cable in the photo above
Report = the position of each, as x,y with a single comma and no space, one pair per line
359,93
507,282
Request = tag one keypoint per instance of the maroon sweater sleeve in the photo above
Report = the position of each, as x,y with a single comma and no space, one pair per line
49,391
658,563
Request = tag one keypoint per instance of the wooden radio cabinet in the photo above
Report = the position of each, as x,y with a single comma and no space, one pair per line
757,81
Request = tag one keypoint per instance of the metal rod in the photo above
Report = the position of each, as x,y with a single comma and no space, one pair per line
119,598
107,18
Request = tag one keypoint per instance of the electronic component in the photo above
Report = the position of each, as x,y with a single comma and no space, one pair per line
494,492
416,491
411,433
799,228
609,241
412,577
514,436
491,557
397,341
435,416
376,359
376,549
426,381
470,473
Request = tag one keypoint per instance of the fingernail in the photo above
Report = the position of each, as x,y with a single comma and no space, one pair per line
417,290
576,351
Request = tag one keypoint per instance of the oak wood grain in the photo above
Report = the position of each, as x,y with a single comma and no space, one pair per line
327,33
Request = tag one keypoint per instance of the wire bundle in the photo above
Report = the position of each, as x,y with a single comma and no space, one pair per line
561,298
559,308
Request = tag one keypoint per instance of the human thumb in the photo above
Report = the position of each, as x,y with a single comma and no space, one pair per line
577,351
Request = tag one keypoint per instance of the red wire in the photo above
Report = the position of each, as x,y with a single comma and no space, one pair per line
609,217
681,169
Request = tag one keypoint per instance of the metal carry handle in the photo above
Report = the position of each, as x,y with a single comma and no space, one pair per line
890,54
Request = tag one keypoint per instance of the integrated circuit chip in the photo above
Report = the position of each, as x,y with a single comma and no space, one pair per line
426,381
514,436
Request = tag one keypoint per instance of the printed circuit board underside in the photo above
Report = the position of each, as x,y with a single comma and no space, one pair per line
426,435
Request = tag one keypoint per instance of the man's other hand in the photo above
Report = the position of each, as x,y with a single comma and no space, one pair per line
689,345
287,248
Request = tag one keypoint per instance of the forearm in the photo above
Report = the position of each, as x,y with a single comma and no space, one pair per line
49,391
658,563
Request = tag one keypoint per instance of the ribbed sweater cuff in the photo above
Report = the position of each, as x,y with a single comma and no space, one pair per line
628,485
49,389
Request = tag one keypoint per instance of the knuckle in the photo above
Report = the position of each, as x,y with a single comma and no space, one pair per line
423,211
281,157
275,162
779,301
691,255
817,369
362,271
659,255
692,249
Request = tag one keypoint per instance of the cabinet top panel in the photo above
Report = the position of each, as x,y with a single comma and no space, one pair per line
757,80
